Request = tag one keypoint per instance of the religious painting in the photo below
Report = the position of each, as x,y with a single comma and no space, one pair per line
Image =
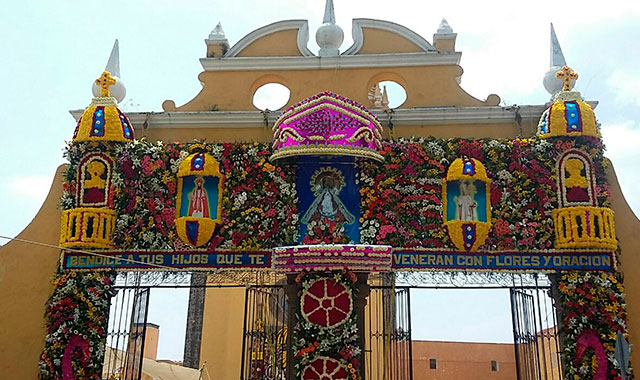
94,181
199,197
329,202
466,200
466,209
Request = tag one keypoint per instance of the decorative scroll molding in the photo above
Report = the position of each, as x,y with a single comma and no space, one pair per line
303,36
358,35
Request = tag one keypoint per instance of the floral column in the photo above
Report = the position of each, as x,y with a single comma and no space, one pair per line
78,309
591,305
327,336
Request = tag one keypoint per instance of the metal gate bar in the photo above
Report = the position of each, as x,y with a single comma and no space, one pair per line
265,333
124,346
535,335
388,348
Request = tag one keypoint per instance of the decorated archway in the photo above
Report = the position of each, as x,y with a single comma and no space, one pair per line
327,204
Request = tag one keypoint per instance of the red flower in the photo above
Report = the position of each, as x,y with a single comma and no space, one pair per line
496,195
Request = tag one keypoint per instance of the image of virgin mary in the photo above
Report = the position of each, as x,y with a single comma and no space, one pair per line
327,204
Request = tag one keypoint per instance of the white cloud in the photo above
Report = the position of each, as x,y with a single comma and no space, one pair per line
625,87
35,187
622,141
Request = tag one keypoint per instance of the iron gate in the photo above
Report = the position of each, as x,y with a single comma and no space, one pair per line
387,351
535,335
126,333
264,345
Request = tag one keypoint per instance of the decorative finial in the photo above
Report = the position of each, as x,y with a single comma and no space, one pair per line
567,76
217,34
329,14
117,90
329,35
556,61
104,82
113,64
557,58
444,27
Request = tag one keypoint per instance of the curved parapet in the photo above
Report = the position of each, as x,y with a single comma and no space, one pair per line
382,51
379,36
261,41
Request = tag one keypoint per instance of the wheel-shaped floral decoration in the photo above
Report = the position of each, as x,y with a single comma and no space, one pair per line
326,303
324,368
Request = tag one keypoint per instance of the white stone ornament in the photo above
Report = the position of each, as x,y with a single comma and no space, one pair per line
329,35
444,28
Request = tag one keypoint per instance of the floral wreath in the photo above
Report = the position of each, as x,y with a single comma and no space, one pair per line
326,302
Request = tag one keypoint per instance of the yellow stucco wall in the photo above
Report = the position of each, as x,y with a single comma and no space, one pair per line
628,233
222,332
26,271
427,86
278,44
378,41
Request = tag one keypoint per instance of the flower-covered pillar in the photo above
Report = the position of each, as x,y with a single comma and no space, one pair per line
327,317
78,309
591,305
323,136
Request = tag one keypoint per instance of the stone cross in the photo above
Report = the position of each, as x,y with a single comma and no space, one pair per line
566,75
104,82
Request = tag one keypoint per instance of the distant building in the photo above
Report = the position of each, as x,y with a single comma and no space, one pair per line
438,360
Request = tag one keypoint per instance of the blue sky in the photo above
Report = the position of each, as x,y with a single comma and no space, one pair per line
52,51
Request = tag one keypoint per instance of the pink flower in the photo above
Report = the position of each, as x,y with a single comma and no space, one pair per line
501,227
386,229
146,165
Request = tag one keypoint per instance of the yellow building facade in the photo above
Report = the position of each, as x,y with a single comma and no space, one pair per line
436,106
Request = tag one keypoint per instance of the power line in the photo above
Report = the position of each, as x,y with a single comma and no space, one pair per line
84,252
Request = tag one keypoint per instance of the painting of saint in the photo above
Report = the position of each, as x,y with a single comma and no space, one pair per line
199,197
466,206
199,200
326,185
466,200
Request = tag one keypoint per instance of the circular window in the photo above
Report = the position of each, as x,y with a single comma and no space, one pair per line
271,96
387,94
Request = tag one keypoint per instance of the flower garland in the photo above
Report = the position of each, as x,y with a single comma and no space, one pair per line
76,316
590,302
325,336
259,206
402,198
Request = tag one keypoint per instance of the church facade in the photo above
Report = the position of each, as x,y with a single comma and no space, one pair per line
332,197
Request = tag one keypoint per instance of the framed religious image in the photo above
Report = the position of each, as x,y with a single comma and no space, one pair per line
467,200
199,197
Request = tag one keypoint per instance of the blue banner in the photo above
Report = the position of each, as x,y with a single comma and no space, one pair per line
167,260
499,261
402,260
